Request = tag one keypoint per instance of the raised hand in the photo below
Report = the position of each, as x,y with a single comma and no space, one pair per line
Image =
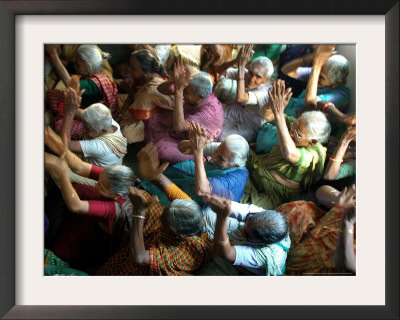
221,206
350,120
138,200
53,140
279,97
149,164
198,137
74,83
245,54
52,49
181,74
347,197
323,53
350,134
72,100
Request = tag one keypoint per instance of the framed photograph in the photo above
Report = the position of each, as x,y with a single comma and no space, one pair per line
372,26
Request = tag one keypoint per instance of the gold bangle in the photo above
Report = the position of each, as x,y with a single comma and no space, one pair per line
137,216
347,230
222,242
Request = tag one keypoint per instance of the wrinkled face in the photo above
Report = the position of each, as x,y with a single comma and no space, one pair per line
135,69
103,187
80,67
222,157
89,132
323,80
299,133
190,96
256,76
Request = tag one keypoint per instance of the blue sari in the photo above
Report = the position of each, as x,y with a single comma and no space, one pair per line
228,183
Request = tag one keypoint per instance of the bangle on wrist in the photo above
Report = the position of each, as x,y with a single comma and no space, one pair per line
222,242
138,216
335,160
326,105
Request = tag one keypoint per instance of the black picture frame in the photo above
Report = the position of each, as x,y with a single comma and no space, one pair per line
8,11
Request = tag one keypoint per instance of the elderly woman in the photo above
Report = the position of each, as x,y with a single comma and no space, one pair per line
242,115
296,162
164,241
326,91
194,101
224,172
96,85
323,243
103,144
247,239
147,74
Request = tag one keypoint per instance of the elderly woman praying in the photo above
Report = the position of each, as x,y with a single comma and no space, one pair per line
296,162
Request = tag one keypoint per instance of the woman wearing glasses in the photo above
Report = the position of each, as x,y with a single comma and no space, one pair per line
296,162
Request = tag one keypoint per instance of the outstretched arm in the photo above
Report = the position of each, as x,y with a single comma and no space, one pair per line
222,245
181,77
59,167
57,145
279,98
333,167
322,54
244,56
53,51
290,68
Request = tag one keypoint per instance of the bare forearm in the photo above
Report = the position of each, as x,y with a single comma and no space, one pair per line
202,185
287,146
222,245
179,122
332,169
66,126
290,68
77,165
330,108
310,100
59,67
70,196
222,68
266,113
327,196
241,95
345,258
138,253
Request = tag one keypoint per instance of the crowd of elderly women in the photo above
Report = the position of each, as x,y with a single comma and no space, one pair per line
234,172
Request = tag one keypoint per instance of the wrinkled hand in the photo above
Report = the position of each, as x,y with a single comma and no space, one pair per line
279,97
198,137
181,74
221,206
245,54
349,135
347,197
149,164
52,49
72,101
349,216
323,53
138,200
74,83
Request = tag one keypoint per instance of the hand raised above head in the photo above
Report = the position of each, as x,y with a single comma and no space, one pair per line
323,53
198,136
181,74
220,205
149,164
72,100
245,54
347,197
350,134
279,96
138,200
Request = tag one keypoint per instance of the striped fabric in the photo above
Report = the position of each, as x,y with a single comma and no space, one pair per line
108,90
169,255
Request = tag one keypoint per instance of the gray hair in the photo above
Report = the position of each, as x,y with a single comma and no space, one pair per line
318,125
185,218
92,56
98,116
267,227
239,147
265,63
121,177
202,84
337,69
